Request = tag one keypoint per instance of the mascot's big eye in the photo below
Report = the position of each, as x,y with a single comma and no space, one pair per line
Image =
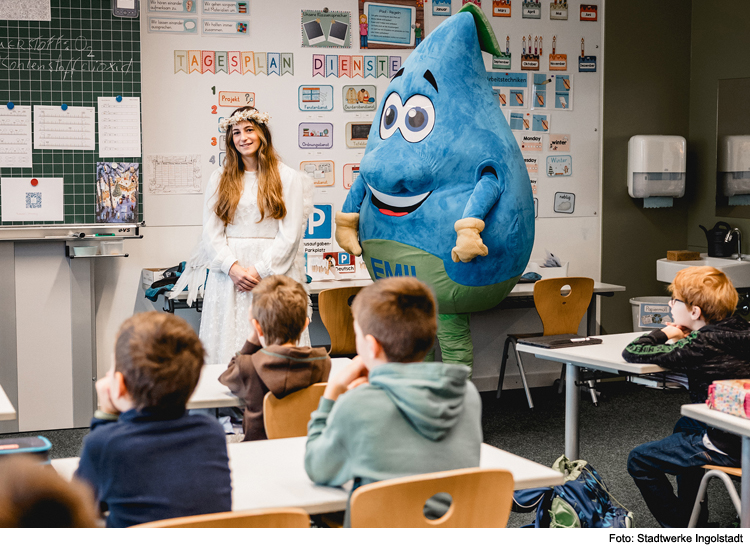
420,118
389,122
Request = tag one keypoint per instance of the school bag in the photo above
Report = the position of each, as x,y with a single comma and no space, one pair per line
583,500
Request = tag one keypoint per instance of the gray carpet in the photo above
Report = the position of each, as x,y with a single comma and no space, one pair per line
627,415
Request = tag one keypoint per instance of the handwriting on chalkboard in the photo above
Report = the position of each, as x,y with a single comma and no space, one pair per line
75,56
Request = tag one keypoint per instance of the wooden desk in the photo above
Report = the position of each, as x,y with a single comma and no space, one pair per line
606,357
271,474
210,393
7,411
738,426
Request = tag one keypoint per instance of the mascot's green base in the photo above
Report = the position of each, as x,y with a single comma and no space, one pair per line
385,258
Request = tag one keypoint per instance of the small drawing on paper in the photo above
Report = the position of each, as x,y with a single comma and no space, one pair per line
174,174
33,200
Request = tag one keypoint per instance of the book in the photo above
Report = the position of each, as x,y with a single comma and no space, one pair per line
560,341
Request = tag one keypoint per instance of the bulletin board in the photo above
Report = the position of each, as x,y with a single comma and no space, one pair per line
82,54
318,92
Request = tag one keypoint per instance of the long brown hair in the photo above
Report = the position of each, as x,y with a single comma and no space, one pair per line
232,183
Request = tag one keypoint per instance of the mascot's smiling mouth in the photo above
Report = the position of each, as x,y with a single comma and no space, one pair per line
391,205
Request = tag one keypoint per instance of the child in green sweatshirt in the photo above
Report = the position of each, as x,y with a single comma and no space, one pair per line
390,414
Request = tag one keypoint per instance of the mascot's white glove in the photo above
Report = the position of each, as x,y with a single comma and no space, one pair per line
347,232
468,242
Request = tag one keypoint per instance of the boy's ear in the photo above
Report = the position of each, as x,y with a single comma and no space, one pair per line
119,389
696,313
257,327
374,347
307,323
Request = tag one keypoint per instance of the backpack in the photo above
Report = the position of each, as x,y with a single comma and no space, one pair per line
581,501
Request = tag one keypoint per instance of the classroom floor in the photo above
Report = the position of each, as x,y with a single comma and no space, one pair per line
627,415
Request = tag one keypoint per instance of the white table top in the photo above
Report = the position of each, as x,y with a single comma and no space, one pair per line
7,411
271,474
606,356
527,289
210,393
717,419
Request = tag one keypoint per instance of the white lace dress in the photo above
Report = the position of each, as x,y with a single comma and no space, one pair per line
272,246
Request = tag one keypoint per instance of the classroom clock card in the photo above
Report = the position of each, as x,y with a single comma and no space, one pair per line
315,98
391,24
321,171
119,126
64,127
15,136
315,135
357,98
32,199
117,192
326,29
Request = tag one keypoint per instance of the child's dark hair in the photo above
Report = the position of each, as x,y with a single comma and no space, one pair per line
160,358
280,307
400,314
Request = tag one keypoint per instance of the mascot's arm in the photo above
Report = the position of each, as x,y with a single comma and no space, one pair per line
347,220
468,241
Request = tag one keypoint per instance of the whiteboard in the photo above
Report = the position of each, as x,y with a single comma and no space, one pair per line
177,118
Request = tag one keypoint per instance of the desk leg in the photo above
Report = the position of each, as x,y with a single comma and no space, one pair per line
571,411
745,485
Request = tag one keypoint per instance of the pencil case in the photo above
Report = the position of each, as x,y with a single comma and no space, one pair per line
730,396
37,446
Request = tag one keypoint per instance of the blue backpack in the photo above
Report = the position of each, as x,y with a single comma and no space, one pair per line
581,501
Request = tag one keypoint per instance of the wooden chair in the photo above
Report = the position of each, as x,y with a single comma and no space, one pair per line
288,416
335,310
723,473
480,498
561,312
252,519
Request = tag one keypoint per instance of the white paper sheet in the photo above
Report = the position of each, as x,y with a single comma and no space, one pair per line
73,129
174,174
15,137
26,10
119,127
24,202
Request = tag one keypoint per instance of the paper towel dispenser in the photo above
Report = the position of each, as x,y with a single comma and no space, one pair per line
734,166
656,168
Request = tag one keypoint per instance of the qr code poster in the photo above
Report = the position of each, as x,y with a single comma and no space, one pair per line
117,192
32,199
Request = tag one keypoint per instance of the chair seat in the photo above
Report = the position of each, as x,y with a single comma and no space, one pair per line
734,471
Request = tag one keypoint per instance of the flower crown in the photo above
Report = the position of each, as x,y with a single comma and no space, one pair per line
244,116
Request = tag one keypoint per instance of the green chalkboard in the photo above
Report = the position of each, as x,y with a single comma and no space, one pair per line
82,54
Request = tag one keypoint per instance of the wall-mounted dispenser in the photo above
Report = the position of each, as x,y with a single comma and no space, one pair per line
734,168
656,169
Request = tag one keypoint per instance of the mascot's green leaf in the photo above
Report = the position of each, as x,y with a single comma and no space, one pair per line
487,40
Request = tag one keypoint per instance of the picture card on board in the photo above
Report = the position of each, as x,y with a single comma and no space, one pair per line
117,187
315,135
32,199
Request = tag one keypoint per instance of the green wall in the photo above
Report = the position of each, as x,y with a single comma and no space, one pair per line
720,49
647,78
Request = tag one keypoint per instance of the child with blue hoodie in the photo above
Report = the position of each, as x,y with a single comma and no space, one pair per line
390,414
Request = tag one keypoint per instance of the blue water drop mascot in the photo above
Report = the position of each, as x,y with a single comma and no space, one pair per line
443,193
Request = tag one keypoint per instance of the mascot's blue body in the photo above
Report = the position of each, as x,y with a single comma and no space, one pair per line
443,193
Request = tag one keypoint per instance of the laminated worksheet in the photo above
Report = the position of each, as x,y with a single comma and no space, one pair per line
119,127
32,199
70,129
15,137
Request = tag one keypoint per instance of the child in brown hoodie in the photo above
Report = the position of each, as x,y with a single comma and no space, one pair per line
270,360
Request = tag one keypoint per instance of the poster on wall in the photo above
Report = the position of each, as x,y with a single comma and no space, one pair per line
359,98
321,171
174,6
391,24
326,29
315,98
32,199
116,192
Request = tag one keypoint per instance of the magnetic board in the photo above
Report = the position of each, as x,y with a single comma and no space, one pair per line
82,54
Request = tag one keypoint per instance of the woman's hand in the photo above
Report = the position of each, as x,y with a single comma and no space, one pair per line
244,280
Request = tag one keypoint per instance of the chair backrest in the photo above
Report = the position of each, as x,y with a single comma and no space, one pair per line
256,519
335,310
561,311
288,416
480,498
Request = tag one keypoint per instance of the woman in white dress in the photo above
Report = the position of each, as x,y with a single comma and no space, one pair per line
254,216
